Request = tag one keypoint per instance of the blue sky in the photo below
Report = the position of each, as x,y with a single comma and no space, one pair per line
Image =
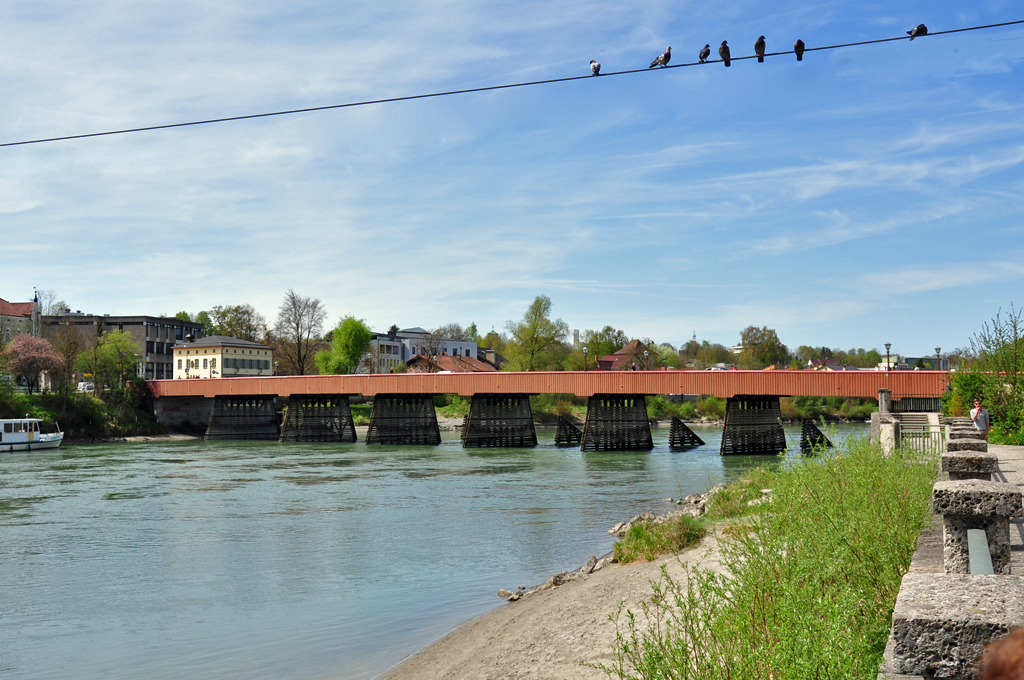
863,195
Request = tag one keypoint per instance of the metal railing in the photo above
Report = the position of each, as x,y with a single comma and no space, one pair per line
921,437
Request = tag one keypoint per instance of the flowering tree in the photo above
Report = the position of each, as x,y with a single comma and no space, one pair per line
27,357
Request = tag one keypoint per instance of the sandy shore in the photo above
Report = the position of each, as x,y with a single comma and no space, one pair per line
547,634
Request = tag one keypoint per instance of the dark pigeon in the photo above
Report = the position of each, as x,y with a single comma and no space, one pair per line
595,67
663,58
723,52
918,31
759,49
704,54
799,48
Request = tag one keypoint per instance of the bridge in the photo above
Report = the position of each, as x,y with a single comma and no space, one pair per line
318,409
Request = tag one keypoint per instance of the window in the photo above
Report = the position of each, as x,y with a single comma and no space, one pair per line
179,364
178,333
149,347
205,363
213,363
8,427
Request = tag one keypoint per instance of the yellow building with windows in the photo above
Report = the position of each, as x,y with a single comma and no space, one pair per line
218,356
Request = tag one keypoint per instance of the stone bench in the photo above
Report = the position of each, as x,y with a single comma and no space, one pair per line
976,504
969,464
942,622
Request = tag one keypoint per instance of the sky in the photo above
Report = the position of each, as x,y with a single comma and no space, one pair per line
865,195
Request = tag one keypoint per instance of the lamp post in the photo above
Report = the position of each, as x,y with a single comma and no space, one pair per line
646,365
275,368
888,366
584,359
433,367
938,359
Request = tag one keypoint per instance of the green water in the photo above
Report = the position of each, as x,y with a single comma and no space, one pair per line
265,560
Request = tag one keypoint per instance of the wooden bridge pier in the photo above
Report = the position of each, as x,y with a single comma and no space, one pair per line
753,426
403,419
243,417
499,420
812,438
617,422
682,437
567,434
318,418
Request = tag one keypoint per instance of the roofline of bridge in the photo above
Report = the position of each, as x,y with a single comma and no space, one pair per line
722,384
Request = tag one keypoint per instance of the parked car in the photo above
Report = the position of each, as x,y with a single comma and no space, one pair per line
86,386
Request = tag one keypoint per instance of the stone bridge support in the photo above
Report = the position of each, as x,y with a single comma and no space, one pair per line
499,420
753,426
617,422
403,419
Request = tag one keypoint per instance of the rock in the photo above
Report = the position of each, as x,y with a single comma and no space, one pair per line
668,500
618,529
588,568
603,562
515,596
505,594
694,498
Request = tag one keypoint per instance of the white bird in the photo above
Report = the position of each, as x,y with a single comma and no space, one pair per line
663,58
595,67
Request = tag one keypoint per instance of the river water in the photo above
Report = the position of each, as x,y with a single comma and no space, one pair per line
263,560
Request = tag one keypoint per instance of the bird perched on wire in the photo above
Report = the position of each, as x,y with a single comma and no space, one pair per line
704,54
723,52
918,31
759,49
799,48
663,58
595,67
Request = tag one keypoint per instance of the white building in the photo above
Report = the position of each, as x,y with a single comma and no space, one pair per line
390,350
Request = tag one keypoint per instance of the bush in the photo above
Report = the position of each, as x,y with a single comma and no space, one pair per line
711,407
687,411
806,592
646,541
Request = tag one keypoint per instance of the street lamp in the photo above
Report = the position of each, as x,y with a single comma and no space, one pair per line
434,366
938,359
275,368
646,365
584,359
888,366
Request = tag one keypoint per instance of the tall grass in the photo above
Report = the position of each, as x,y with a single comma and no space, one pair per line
647,541
808,591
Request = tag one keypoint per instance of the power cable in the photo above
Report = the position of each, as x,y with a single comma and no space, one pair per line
488,88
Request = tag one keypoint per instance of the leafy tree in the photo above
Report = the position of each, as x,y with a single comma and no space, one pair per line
606,341
240,321
300,321
349,342
27,357
184,316
710,354
997,362
112,360
496,341
534,338
208,325
761,348
472,332
67,343
667,355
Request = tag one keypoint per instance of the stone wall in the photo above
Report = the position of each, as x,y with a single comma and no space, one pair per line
188,415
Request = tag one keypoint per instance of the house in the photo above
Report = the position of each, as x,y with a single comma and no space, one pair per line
634,356
820,364
18,318
156,336
388,350
448,364
219,356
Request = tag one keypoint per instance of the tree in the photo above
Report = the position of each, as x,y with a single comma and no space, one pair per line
534,338
349,341
606,341
454,331
761,348
667,356
28,356
67,343
472,332
111,360
997,358
300,321
184,316
710,354
204,318
240,321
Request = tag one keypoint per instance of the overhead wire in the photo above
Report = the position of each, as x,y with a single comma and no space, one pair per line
487,88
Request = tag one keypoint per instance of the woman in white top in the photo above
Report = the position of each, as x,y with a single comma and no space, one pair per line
980,418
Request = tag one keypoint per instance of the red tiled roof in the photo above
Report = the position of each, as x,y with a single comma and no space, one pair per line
623,360
15,308
421,364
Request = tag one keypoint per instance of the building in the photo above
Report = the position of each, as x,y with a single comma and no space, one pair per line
634,356
219,356
388,350
447,364
156,335
18,318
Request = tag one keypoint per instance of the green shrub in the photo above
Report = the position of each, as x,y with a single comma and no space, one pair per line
711,407
687,411
807,591
647,541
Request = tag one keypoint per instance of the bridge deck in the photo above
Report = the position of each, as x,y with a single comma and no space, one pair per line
722,384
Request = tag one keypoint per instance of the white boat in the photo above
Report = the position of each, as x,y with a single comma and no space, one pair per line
22,434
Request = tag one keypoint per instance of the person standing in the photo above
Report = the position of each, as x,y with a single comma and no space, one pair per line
980,418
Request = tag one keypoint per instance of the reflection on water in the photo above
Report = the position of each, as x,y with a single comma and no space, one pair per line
256,560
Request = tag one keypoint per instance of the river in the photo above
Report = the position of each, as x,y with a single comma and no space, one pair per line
196,559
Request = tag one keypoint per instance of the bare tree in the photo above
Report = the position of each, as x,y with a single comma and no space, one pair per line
67,342
454,331
300,322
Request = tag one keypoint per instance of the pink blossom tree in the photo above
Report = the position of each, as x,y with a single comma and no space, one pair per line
27,357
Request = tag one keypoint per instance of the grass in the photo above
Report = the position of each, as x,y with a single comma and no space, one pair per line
811,575
647,541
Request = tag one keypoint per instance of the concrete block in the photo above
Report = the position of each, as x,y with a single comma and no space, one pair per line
967,445
969,464
942,622
964,433
976,504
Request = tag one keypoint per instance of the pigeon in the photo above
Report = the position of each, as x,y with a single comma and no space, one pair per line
918,31
723,52
704,54
663,58
759,49
595,67
799,48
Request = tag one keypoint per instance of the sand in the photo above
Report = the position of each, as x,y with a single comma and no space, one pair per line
547,634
